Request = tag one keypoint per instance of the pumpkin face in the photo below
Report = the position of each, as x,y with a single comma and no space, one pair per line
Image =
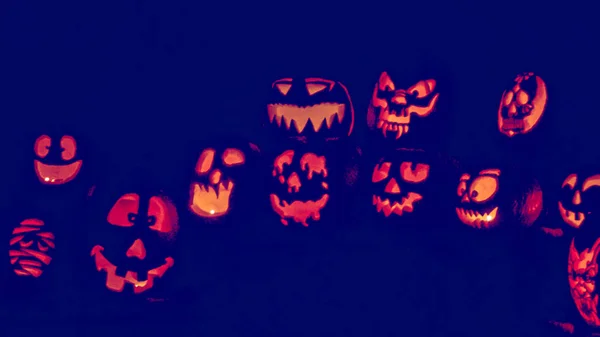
522,105
478,206
392,107
583,272
578,198
399,185
30,248
154,220
210,196
310,108
56,160
304,189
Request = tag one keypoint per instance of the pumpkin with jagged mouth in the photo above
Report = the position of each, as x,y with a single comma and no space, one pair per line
578,197
30,247
583,274
56,161
399,183
303,189
211,195
478,208
155,219
309,108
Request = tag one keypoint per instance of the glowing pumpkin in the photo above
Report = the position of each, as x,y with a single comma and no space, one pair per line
579,197
310,108
56,160
583,274
30,248
522,105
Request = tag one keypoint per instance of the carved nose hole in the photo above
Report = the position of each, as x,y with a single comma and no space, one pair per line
215,177
577,198
392,187
137,249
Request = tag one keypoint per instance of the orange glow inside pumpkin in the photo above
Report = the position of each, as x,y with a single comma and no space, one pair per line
162,218
30,247
520,110
583,270
299,211
212,200
576,218
57,174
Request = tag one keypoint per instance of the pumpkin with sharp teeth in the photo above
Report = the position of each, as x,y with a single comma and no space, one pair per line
579,194
310,108
583,275
522,105
487,195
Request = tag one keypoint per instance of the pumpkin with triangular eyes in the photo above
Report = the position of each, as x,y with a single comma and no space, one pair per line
57,160
486,196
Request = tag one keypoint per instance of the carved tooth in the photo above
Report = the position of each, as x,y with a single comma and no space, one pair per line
271,112
341,112
380,123
391,127
317,124
405,126
384,130
394,127
329,120
300,122
374,200
278,118
399,133
287,121
230,185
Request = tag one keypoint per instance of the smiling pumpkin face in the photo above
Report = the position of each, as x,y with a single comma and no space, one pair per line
56,160
579,196
478,205
211,193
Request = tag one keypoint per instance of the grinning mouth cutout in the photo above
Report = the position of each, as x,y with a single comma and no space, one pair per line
388,207
56,174
477,219
513,124
299,211
389,126
117,283
210,202
319,116
573,219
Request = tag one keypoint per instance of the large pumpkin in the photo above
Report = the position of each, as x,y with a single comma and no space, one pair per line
522,104
488,195
142,228
310,109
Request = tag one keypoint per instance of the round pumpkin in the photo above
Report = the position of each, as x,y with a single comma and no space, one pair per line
522,104
580,193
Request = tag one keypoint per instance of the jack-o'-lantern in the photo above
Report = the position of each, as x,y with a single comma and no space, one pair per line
310,108
56,160
304,191
583,274
211,198
399,181
522,105
30,248
392,107
579,197
145,223
483,199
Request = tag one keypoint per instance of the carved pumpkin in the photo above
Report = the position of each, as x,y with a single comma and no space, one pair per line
485,195
392,106
583,274
579,196
211,197
56,160
522,105
399,182
30,248
304,190
149,222
307,108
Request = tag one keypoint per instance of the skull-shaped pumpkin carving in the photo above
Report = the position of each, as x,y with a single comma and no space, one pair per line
310,108
578,198
155,219
211,198
56,161
522,105
400,181
300,175
391,108
583,273
30,248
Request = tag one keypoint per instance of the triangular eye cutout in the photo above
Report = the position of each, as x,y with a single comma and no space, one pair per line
283,88
314,88
385,82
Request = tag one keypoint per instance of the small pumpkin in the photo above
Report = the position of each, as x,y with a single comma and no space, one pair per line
579,195
486,195
57,161
522,104
310,108
31,247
